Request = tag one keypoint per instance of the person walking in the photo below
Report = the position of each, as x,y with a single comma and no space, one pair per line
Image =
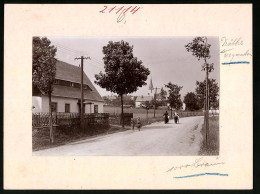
176,117
166,118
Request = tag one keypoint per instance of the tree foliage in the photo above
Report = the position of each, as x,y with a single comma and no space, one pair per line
124,73
174,97
44,70
191,101
163,94
213,93
200,48
44,64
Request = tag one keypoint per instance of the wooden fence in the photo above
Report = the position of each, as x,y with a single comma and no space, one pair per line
116,118
67,119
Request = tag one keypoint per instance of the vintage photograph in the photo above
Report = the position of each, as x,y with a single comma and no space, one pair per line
125,96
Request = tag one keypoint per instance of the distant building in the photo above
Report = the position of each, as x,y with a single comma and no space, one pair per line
66,95
141,99
158,97
112,97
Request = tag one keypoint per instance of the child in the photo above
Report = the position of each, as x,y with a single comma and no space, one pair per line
138,124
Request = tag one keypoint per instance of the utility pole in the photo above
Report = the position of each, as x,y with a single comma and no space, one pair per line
154,101
82,92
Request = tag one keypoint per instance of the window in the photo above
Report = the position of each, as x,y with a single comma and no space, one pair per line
67,107
86,87
95,108
54,106
76,85
64,83
56,81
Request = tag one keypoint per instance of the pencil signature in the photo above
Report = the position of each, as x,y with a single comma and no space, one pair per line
197,163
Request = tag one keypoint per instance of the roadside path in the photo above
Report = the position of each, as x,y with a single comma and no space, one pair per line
155,139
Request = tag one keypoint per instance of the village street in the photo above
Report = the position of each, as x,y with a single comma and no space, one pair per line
155,139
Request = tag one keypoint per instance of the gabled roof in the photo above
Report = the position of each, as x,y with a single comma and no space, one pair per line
143,98
68,72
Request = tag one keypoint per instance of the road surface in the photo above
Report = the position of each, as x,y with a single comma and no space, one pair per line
157,139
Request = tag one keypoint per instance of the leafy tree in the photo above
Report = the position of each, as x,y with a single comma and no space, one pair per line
191,101
174,97
163,95
199,48
44,70
124,73
213,93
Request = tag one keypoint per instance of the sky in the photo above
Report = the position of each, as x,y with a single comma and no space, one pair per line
166,57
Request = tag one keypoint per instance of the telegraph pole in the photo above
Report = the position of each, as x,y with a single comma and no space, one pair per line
82,92
154,101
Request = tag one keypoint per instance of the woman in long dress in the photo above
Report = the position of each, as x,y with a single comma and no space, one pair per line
166,118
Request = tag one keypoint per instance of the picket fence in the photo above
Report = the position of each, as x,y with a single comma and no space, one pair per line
69,119
62,119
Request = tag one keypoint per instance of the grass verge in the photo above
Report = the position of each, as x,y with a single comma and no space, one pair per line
213,138
65,135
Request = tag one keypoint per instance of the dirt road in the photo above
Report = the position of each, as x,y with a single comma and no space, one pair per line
157,139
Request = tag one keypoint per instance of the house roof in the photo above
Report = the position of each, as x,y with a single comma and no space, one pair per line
68,72
143,98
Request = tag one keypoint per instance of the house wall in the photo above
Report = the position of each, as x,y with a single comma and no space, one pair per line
36,104
74,107
100,107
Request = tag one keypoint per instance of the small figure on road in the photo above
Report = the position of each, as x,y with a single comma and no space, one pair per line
133,123
138,124
166,118
176,117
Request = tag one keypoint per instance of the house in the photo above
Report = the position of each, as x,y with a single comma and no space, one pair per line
66,95
141,99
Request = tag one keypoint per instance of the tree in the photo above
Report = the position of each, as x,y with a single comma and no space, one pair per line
174,97
44,70
124,73
163,95
213,93
191,101
200,49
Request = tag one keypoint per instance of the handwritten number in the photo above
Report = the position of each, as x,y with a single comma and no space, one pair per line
119,9
112,9
103,10
127,9
133,10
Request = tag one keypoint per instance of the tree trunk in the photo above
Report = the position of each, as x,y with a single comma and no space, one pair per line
207,106
122,112
171,112
50,120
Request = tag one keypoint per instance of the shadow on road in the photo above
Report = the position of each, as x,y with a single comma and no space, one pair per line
85,141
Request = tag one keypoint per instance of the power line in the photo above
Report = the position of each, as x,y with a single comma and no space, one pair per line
68,48
61,48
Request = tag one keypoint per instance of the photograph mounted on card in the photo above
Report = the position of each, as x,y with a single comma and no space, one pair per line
167,88
129,96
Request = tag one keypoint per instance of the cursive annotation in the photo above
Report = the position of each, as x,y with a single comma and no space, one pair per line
231,50
198,163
